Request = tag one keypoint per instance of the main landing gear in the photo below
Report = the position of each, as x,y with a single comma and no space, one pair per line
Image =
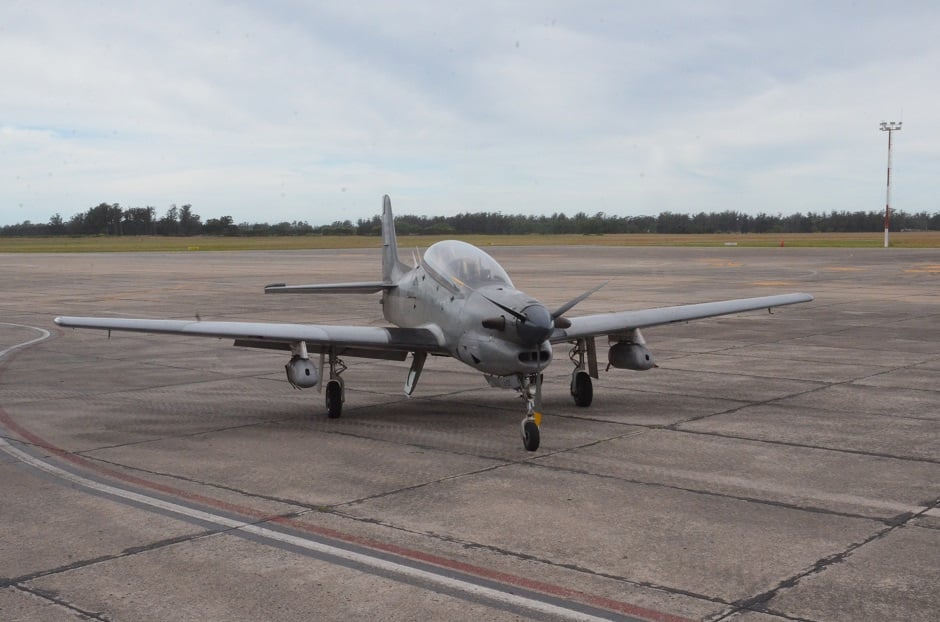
335,388
584,356
582,389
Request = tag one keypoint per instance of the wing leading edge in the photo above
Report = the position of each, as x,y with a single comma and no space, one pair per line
625,321
365,287
358,337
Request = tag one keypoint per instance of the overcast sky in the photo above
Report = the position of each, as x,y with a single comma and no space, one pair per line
280,110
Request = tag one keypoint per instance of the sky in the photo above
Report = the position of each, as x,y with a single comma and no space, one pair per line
311,111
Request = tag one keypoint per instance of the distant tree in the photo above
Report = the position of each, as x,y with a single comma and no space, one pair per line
170,223
221,226
112,219
56,224
115,216
138,221
97,220
189,222
373,226
339,228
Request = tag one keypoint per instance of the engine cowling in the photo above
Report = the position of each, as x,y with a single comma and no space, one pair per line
302,373
630,356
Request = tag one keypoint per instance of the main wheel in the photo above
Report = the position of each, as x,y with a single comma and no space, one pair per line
582,389
334,399
530,435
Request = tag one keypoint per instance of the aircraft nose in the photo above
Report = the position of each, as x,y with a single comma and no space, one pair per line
537,326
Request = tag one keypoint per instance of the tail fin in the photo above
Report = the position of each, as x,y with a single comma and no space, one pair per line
392,267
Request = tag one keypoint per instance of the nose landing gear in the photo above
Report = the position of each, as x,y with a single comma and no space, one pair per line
531,389
530,434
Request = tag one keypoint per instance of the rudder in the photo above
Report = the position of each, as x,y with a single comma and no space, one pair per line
392,268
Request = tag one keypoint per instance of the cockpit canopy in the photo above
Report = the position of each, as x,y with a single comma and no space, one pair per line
464,264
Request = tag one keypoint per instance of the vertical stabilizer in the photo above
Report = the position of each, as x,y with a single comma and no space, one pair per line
392,268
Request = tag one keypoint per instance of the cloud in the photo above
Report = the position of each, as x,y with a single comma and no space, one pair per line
287,110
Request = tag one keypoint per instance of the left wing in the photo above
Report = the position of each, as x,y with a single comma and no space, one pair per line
625,321
363,287
366,341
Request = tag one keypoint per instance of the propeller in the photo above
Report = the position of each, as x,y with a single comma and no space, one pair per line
535,323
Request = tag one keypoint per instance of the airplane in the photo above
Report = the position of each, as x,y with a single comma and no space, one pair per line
456,301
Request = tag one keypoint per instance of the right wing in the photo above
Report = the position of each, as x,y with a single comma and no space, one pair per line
364,341
625,321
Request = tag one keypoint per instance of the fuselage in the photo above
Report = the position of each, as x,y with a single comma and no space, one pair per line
463,295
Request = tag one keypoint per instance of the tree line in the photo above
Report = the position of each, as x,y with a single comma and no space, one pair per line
112,219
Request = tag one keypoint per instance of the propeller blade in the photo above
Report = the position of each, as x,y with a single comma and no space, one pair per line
571,303
508,310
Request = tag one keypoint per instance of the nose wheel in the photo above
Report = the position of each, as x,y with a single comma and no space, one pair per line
530,434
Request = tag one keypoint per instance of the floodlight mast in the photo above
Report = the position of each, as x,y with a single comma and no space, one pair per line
889,127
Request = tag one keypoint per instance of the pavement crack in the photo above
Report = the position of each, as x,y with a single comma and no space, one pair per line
709,493
856,452
54,598
84,563
760,602
420,485
86,452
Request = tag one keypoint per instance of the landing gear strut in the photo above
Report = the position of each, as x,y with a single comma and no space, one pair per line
335,388
531,390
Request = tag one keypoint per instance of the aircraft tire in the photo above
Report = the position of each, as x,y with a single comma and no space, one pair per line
582,389
334,399
530,435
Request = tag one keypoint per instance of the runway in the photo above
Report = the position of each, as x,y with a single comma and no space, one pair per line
775,467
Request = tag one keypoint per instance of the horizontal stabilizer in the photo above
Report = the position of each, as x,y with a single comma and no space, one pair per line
364,287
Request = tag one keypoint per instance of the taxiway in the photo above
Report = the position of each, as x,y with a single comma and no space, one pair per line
773,468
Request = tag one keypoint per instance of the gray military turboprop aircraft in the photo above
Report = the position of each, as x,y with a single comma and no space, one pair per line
456,301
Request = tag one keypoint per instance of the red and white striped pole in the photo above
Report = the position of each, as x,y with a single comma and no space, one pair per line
889,127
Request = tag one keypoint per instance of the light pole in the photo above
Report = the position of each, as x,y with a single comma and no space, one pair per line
889,127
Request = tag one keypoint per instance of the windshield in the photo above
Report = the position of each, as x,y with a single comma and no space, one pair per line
465,264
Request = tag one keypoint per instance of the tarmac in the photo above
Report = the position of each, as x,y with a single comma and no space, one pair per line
774,467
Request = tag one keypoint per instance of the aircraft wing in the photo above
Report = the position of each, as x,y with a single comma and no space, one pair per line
625,321
366,287
365,341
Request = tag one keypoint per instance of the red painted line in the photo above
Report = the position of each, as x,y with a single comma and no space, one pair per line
442,562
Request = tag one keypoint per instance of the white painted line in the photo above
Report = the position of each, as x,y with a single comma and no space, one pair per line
300,542
452,583
44,334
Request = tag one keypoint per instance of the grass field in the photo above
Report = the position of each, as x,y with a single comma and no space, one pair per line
102,244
